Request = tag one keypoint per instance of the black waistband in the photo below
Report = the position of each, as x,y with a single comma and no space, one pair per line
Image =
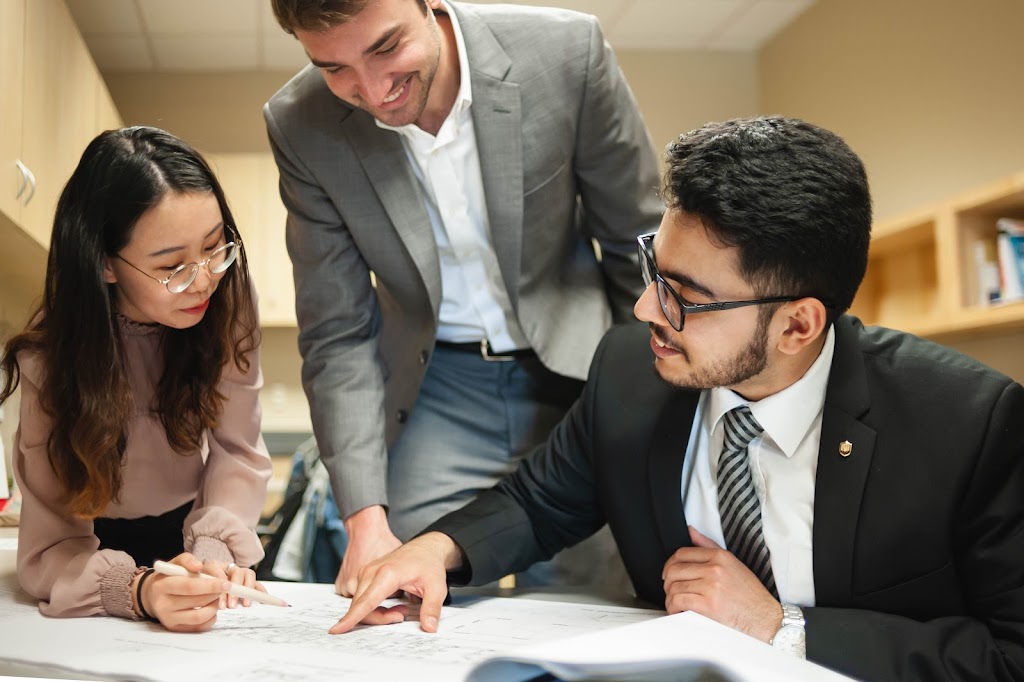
147,538
484,350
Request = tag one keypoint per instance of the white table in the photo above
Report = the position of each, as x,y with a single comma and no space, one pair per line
477,635
311,621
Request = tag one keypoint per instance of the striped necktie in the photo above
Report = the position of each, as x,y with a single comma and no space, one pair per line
737,499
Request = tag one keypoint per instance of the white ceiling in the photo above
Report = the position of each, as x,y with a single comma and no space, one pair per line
227,35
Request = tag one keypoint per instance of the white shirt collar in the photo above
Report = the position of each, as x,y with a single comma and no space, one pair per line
465,95
788,415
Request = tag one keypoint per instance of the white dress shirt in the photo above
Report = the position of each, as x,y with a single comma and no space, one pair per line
474,302
783,464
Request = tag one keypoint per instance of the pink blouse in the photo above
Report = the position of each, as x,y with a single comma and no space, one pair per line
58,557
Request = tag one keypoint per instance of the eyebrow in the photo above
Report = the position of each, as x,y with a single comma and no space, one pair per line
689,283
377,44
172,249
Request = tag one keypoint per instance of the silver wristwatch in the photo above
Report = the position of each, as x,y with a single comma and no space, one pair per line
791,636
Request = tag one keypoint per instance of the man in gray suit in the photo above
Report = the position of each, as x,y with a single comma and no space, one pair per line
447,169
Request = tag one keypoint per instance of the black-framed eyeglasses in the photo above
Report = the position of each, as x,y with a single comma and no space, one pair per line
674,307
222,258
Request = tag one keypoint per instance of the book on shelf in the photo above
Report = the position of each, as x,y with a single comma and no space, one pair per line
986,272
1010,251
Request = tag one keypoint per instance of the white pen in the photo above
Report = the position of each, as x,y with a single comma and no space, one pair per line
236,590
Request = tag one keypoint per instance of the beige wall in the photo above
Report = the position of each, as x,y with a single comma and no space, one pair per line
215,112
222,112
926,91
283,401
21,261
15,308
679,91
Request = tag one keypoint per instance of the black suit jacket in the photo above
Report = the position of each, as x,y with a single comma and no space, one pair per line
918,534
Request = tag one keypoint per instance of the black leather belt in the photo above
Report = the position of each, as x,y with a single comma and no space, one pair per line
483,349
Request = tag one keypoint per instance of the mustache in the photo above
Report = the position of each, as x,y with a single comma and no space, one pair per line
663,337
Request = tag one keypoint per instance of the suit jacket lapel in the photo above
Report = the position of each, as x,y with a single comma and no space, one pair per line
497,119
840,480
382,156
668,448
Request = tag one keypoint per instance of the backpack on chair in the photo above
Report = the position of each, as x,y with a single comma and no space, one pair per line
305,538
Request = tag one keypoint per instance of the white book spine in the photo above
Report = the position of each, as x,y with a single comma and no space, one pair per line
1009,269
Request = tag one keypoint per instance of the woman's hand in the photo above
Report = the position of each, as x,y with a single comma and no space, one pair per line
181,603
236,574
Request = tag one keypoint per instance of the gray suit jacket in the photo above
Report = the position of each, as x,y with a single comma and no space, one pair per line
565,159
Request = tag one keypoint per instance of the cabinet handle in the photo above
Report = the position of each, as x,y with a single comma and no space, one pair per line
24,178
32,184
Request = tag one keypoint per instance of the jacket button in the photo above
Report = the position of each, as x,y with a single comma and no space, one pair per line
402,416
424,356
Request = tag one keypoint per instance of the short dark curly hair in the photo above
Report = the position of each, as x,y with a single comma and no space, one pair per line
791,196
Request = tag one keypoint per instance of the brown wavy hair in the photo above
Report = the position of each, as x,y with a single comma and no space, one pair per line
75,333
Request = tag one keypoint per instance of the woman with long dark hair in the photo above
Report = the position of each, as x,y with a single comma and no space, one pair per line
139,436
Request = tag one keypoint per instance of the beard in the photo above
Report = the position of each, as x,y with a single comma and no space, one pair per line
410,113
747,363
420,82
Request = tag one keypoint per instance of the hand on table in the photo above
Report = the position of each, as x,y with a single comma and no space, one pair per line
180,603
369,538
189,603
419,569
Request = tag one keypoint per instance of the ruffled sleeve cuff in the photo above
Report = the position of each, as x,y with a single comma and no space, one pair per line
206,549
89,584
216,534
115,591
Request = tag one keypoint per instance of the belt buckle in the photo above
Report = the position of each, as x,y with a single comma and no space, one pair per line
485,353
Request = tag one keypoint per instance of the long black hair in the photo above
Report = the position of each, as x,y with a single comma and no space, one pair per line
75,333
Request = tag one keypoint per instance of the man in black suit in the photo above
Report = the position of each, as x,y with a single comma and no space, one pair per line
868,486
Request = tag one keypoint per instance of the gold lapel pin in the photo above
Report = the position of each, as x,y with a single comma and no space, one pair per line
845,448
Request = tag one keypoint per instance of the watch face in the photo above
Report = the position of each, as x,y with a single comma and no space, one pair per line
792,639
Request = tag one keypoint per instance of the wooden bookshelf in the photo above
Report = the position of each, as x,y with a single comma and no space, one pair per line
921,274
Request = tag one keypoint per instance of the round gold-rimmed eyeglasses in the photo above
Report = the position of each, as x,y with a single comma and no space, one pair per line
219,261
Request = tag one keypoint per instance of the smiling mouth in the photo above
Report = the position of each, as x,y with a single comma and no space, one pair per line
658,340
395,95
664,345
